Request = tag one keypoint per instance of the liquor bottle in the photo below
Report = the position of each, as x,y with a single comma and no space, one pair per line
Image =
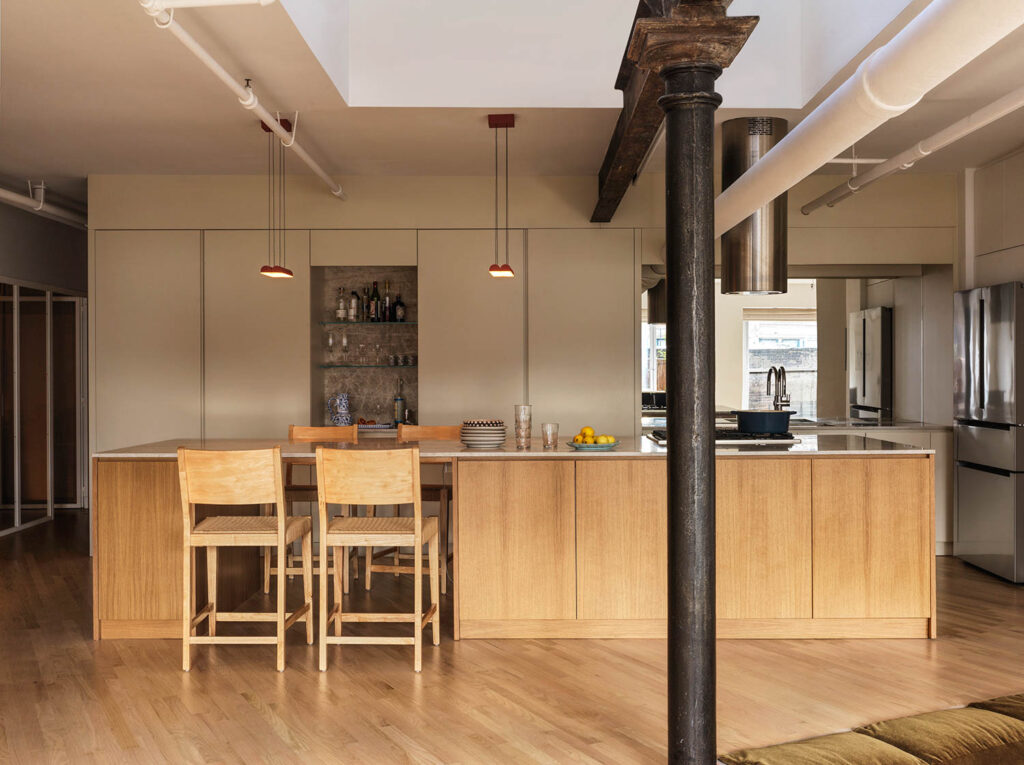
386,307
375,303
365,310
353,306
342,312
399,410
399,309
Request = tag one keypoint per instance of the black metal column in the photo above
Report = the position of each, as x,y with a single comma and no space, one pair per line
689,103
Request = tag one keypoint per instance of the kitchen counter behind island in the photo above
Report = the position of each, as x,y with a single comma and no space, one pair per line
831,537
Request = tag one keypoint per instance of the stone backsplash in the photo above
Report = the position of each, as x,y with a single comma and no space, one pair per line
371,388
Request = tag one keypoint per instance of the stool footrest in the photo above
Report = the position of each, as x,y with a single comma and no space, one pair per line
356,640
391,569
361,616
236,640
304,609
429,615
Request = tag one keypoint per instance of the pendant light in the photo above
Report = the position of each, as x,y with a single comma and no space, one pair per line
497,122
276,267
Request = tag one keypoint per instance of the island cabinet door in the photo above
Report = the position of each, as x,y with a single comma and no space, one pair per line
517,553
763,538
621,539
872,538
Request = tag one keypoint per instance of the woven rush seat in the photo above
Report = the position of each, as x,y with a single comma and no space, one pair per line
381,530
251,527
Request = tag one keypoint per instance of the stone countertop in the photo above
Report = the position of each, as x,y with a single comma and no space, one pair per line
824,425
809,446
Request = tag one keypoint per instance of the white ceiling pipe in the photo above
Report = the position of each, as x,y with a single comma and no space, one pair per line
45,209
854,161
940,40
246,97
1008,104
164,5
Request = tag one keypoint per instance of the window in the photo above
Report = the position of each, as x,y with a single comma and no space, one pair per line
786,337
652,351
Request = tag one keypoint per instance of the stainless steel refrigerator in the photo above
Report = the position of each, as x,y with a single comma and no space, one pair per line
869,363
988,359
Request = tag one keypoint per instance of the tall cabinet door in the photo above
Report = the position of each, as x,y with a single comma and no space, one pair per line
471,328
584,329
256,338
147,337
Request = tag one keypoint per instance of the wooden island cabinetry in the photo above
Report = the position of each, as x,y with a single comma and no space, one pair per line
816,546
830,538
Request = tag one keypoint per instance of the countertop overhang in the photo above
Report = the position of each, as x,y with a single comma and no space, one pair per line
809,446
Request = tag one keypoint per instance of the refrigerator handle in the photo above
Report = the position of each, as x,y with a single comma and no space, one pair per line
983,331
864,357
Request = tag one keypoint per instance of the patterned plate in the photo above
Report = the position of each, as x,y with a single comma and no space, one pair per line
593,447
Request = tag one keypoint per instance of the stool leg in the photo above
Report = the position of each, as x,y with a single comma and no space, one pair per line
435,598
442,522
211,587
338,552
323,599
281,581
266,559
307,583
345,562
186,606
398,550
417,608
370,513
354,511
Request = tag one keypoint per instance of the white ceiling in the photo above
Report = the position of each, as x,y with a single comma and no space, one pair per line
91,86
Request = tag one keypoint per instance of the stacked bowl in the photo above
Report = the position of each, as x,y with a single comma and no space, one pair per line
483,434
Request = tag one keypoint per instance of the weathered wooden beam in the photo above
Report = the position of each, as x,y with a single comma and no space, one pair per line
635,131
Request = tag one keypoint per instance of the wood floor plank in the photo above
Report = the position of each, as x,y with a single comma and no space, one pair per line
67,698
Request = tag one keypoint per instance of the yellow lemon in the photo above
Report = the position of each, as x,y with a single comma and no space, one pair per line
577,439
604,439
588,439
587,431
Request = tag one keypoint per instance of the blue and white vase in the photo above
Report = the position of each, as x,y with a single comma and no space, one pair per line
337,409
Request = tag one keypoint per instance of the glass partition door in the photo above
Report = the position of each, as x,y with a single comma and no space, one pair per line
42,428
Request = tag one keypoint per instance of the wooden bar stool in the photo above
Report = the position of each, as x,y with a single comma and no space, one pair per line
305,492
238,478
431,492
377,477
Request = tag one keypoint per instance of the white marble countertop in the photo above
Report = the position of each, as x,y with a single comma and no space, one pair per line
824,425
810,445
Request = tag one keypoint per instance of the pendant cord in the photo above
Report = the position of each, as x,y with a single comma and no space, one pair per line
495,196
284,205
506,196
270,199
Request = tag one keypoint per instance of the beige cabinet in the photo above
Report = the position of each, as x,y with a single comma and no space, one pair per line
471,347
256,337
146,353
363,247
873,548
583,329
517,554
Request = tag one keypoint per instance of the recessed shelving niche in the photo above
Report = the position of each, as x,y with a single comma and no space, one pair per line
361,370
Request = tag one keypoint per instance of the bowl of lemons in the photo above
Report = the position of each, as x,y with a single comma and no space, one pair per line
588,440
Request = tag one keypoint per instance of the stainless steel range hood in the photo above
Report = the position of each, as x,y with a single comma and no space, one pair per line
753,252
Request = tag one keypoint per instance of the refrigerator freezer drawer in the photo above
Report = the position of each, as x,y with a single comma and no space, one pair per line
994,446
989,520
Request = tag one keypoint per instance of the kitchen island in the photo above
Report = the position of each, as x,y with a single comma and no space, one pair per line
828,538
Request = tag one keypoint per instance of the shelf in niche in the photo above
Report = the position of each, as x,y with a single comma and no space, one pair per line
374,323
368,366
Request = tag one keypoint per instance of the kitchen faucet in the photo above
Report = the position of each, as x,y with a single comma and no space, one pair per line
781,399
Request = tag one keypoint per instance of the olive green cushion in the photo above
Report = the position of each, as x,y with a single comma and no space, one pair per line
837,749
955,737
1011,706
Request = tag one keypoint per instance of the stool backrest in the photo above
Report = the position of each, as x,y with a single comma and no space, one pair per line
429,432
212,477
370,477
336,433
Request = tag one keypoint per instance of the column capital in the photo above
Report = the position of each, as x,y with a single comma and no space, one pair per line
688,32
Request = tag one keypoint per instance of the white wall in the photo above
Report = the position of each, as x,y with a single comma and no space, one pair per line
729,379
36,251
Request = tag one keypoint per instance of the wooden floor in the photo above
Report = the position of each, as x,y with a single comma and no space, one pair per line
65,698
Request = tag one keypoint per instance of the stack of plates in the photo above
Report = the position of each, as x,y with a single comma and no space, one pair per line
483,434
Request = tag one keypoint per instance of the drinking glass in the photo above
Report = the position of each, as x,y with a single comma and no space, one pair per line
523,421
550,432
